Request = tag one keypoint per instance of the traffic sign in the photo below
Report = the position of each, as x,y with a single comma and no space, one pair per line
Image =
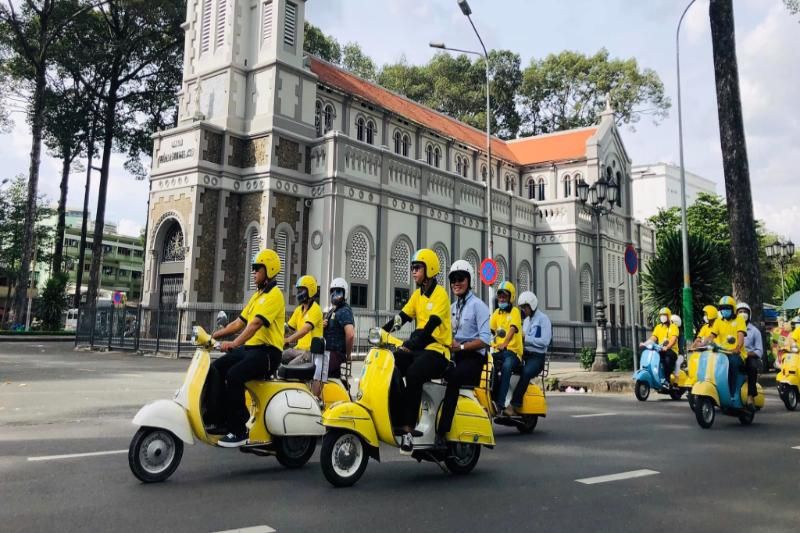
118,298
488,271
631,259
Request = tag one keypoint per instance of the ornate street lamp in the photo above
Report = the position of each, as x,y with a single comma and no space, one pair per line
594,197
782,253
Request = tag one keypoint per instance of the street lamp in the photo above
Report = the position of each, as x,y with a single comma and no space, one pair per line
688,318
594,198
467,11
782,253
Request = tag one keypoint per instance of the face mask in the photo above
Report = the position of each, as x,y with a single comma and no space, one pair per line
705,319
337,296
726,313
663,319
505,306
744,316
302,296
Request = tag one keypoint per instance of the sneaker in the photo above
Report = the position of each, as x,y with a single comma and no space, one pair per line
232,441
509,411
406,444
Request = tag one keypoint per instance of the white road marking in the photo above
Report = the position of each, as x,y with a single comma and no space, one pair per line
75,455
796,447
617,477
594,414
254,529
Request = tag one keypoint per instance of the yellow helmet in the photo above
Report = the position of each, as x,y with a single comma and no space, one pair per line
510,289
727,301
309,284
427,257
269,260
711,312
665,311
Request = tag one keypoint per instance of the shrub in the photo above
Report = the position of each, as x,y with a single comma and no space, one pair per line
625,359
586,357
613,362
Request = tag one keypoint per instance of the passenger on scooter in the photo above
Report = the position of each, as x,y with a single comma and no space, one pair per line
729,333
256,351
471,337
507,349
339,327
794,336
665,334
426,353
703,338
306,321
754,348
675,319
538,332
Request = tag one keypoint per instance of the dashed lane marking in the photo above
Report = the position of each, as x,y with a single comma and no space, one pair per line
796,447
617,477
75,455
594,415
254,529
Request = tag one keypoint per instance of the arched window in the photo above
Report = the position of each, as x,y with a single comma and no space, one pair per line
370,132
253,247
459,165
444,264
577,179
398,142
406,144
586,293
330,114
360,127
464,167
483,172
282,244
429,154
359,258
524,277
437,157
401,275
474,260
567,186
502,270
552,286
318,118
619,190
531,186
174,249
541,189
510,183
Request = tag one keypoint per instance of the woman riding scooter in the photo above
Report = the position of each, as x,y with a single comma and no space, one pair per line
306,321
506,325
710,314
666,335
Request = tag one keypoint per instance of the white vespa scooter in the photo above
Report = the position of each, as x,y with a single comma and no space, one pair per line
284,422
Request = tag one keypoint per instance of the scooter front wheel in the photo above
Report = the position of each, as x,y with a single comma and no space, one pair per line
642,390
154,454
343,457
704,411
294,452
789,398
462,457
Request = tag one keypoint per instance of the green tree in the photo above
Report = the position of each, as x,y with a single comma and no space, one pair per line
356,61
791,282
52,302
318,44
569,90
662,279
793,6
666,221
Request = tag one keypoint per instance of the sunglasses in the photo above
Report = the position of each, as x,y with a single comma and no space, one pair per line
414,268
256,267
457,278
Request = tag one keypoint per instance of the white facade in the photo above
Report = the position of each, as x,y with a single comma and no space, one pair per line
658,186
345,179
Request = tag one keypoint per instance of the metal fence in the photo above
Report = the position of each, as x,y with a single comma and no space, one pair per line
168,329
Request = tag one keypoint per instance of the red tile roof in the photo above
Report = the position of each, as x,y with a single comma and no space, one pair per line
556,147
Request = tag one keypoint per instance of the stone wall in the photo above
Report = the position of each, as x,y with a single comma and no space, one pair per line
242,210
206,252
288,209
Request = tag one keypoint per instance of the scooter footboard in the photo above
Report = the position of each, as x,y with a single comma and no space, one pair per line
293,413
352,417
166,414
471,424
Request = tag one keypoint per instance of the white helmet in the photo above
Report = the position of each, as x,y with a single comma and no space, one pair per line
338,283
676,320
742,305
463,266
528,298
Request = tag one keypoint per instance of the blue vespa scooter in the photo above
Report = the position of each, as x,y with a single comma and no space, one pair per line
712,392
651,376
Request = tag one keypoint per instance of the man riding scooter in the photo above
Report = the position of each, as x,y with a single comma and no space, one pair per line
794,336
306,321
538,332
339,327
665,334
426,353
256,351
729,333
754,350
710,314
506,325
471,338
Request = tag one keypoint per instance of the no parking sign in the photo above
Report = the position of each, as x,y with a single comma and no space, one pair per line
488,271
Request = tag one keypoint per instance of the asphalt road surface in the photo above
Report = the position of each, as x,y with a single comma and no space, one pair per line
596,463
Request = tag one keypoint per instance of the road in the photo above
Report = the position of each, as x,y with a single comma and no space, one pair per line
54,401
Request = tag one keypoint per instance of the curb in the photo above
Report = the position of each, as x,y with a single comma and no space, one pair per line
37,338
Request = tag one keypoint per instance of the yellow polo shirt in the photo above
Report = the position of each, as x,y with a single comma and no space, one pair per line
663,332
421,308
314,317
723,329
271,309
504,320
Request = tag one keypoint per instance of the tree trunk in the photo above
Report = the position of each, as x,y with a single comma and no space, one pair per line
37,125
744,242
84,223
58,254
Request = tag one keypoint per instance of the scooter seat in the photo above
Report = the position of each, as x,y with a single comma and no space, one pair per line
304,372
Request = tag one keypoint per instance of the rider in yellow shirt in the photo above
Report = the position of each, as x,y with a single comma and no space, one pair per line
426,353
728,333
665,334
506,326
306,321
794,336
710,314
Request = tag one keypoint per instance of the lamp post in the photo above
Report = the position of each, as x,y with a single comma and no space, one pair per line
467,11
688,319
782,253
594,197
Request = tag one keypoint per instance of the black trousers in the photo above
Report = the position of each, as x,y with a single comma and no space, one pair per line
752,365
668,362
236,368
417,367
734,366
466,372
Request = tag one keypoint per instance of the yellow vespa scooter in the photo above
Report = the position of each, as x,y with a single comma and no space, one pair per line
354,430
284,419
788,379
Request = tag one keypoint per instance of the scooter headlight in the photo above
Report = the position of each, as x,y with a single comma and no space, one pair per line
374,336
195,332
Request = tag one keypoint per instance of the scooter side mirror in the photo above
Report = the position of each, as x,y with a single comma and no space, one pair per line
398,322
317,345
222,319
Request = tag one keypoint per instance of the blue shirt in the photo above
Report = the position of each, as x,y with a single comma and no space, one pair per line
753,342
470,320
538,332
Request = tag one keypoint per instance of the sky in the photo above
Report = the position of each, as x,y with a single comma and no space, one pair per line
768,48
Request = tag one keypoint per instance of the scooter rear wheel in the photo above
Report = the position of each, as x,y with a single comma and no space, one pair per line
676,394
528,424
294,452
746,418
642,390
462,457
789,397
154,454
704,411
343,457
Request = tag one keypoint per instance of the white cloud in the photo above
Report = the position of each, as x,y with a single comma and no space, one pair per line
127,226
695,23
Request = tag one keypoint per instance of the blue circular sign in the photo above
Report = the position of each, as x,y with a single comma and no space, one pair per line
631,260
488,271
